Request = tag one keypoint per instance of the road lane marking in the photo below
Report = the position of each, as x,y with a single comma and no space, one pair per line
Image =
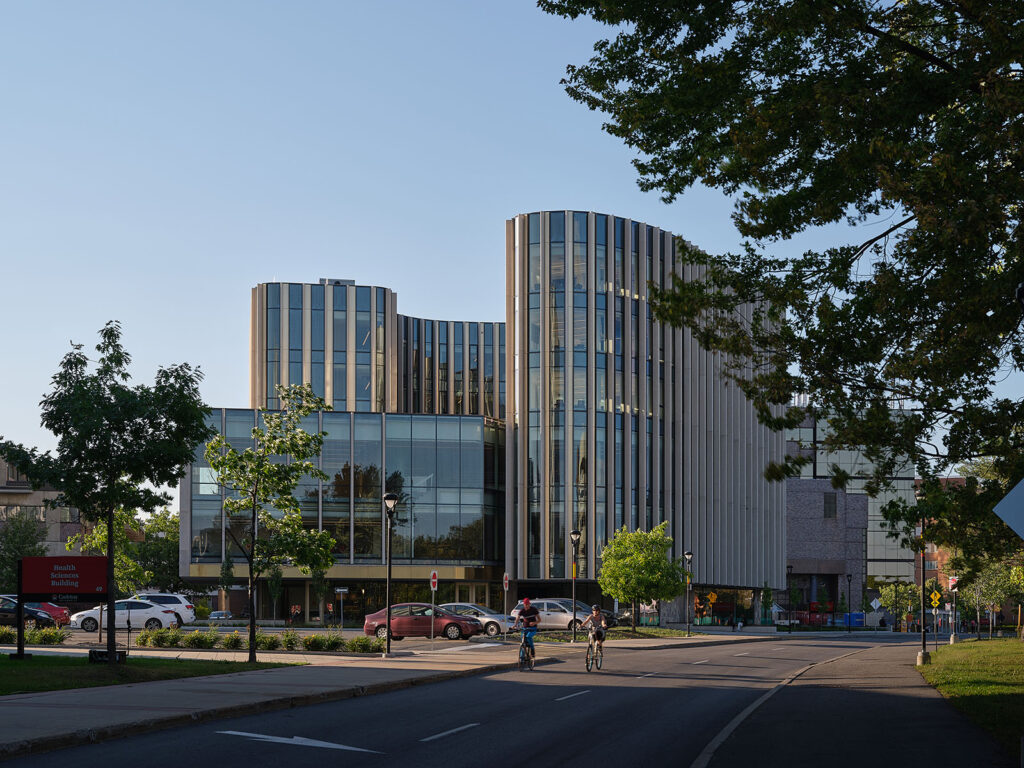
705,661
647,675
298,741
578,693
449,733
741,654
704,758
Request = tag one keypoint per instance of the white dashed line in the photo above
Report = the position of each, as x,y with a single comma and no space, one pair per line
705,661
449,733
578,693
647,675
741,654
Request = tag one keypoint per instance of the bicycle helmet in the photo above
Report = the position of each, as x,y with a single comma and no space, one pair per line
595,607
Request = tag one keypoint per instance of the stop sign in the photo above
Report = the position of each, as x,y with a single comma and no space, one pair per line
504,582
433,580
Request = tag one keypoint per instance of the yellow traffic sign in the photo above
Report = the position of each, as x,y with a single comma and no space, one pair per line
935,596
935,603
712,597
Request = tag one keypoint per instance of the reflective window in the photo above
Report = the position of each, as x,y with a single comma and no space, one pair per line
458,382
579,251
337,465
367,487
534,260
601,253
556,254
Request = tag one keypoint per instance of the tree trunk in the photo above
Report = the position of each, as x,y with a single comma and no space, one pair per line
111,595
632,614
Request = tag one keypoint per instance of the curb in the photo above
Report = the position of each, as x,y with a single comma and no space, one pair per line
94,735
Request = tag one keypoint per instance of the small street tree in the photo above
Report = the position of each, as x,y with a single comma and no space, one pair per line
636,567
21,535
157,552
226,578
897,598
988,590
275,586
116,443
264,518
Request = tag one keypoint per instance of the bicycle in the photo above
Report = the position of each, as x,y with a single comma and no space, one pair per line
595,652
526,656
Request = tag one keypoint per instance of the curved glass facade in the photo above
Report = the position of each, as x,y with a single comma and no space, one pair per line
358,353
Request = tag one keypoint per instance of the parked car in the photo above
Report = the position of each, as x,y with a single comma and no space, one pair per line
494,622
183,608
581,606
141,614
221,615
553,614
59,613
9,614
415,620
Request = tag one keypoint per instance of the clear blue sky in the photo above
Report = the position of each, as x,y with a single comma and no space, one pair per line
157,160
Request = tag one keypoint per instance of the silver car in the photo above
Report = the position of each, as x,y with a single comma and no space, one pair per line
493,621
553,614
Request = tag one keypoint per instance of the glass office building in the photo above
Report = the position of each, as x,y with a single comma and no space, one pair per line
610,419
618,421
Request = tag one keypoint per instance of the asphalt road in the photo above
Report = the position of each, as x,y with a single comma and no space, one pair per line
649,705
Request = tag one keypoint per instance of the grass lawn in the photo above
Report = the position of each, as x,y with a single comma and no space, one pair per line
985,681
616,633
51,673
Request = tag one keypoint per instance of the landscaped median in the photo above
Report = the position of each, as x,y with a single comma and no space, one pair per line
985,681
289,640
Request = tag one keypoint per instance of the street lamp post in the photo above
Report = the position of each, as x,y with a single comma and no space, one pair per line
390,501
789,596
849,602
688,556
923,657
575,536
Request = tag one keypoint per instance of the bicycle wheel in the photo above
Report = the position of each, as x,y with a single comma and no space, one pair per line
590,657
600,657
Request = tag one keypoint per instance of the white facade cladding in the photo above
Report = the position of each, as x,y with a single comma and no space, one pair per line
615,420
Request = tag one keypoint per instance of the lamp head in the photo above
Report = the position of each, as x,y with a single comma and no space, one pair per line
575,536
390,500
688,556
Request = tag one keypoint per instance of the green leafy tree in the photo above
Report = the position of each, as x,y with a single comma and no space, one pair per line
899,119
265,521
989,589
226,577
275,586
637,567
898,598
129,574
157,552
319,589
21,535
116,443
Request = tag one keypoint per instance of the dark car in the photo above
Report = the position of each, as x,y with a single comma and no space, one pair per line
9,614
416,620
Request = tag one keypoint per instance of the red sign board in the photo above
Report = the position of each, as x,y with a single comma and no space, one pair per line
433,580
504,582
64,579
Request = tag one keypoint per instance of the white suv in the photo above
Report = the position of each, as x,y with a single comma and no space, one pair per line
184,611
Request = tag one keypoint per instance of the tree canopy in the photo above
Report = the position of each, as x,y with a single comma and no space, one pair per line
21,535
117,444
637,567
901,119
264,517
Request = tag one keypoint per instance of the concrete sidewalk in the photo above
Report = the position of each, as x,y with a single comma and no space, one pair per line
867,707
37,722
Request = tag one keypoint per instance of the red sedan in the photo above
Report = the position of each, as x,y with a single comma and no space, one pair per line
416,619
61,616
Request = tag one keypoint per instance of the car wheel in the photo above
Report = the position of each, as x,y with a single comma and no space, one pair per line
452,632
154,623
382,633
575,624
492,629
90,625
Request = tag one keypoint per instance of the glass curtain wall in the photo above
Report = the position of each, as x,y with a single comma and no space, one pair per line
337,489
273,343
339,375
316,330
364,347
557,395
367,488
294,333
534,444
